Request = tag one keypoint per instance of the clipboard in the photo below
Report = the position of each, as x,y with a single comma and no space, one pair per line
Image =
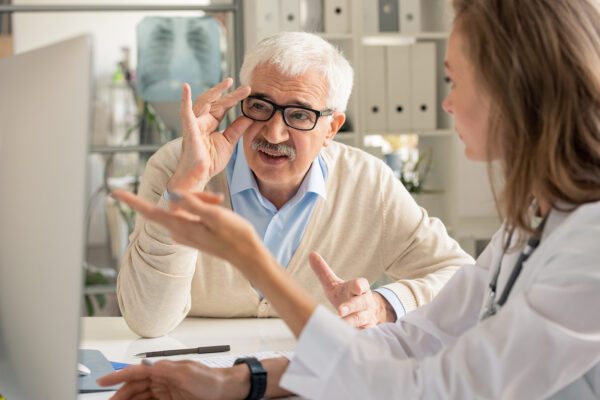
100,366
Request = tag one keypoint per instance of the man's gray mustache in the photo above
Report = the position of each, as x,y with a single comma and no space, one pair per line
280,148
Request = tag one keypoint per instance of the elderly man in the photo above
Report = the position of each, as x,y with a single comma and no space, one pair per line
301,191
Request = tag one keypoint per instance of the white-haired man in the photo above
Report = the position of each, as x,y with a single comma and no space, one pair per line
301,191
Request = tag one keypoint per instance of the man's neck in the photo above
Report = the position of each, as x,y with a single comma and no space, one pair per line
278,194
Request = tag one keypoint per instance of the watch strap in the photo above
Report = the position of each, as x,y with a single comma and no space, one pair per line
258,377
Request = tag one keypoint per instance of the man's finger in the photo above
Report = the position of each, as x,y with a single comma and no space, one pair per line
186,113
358,286
354,304
327,277
211,95
222,105
234,132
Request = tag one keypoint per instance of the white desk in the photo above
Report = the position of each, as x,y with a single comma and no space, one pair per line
112,336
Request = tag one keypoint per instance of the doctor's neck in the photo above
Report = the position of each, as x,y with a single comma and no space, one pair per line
543,207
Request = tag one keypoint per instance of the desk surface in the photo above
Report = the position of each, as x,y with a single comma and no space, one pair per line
118,343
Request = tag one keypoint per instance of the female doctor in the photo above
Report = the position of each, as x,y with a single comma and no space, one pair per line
524,322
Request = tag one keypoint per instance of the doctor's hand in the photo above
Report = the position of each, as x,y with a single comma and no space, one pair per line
200,222
179,380
353,300
205,152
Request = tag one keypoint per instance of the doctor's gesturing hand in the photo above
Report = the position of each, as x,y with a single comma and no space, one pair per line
353,299
205,151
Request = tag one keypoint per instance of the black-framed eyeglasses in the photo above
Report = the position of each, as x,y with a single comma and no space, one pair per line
296,117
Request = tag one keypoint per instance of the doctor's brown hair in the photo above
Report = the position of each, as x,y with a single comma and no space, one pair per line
539,61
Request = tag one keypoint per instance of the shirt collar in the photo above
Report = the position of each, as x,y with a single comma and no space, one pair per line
243,179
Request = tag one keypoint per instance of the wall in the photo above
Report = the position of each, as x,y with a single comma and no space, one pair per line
112,31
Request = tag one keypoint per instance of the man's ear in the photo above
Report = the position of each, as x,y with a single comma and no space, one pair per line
337,120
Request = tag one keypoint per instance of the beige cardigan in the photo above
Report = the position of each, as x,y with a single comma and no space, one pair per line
368,226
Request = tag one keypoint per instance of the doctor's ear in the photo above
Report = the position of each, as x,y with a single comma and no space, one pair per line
337,119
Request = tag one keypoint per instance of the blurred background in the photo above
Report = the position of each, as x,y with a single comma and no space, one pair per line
144,50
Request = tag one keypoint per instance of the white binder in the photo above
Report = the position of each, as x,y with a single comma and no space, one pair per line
444,120
424,106
289,15
436,15
389,15
399,91
311,15
337,16
370,17
262,20
411,16
374,107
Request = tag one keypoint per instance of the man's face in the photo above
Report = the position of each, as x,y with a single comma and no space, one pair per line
279,168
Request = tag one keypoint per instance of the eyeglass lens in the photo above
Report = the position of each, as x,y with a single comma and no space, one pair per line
297,118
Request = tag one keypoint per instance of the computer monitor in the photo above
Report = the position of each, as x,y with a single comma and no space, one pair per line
44,129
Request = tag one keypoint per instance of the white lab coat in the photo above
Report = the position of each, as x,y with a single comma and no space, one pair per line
544,343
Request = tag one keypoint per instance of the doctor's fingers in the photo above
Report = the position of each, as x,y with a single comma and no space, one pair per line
355,304
219,220
149,210
134,390
361,319
195,204
145,395
209,197
198,236
133,373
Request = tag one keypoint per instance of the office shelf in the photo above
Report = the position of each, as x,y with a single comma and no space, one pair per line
422,133
390,39
147,148
336,36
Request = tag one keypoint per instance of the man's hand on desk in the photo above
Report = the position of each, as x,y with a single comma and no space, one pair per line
353,300
179,380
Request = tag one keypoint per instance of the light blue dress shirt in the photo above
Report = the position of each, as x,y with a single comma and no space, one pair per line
282,230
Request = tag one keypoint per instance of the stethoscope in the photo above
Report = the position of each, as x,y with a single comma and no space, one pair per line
492,306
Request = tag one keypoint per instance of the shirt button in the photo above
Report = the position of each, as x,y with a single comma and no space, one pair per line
263,308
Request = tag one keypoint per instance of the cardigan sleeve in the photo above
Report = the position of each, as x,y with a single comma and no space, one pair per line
153,286
422,257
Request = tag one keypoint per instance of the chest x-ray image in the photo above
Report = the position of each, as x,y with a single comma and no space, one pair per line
174,50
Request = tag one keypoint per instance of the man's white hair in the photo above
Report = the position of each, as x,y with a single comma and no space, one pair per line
295,53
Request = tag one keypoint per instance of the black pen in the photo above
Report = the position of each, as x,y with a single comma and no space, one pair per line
194,350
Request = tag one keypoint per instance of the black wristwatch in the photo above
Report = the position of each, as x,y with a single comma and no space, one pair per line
258,377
